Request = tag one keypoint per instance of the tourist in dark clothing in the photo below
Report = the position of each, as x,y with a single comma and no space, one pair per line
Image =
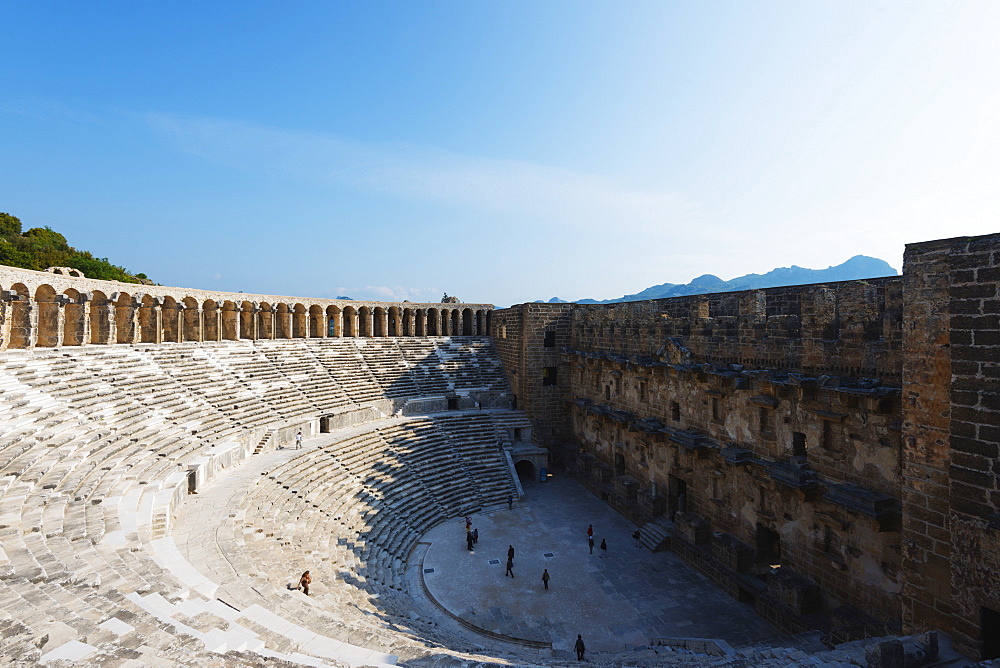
510,567
604,548
510,502
475,536
469,540
638,538
510,552
579,647
545,578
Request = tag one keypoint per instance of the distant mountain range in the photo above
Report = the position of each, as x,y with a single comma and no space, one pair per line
859,266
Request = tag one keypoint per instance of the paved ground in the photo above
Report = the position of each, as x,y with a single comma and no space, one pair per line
614,602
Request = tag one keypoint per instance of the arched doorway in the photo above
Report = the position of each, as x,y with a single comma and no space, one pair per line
526,471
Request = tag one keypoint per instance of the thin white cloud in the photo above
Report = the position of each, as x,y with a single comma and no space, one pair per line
388,293
541,192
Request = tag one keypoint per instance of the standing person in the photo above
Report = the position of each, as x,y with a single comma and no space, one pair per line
545,578
304,583
638,537
469,540
604,548
510,552
468,522
298,441
510,567
591,541
475,536
579,647
510,502
590,531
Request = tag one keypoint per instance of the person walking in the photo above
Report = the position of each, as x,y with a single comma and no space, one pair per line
638,538
510,552
510,502
298,441
545,578
591,541
604,548
579,647
304,583
590,531
510,567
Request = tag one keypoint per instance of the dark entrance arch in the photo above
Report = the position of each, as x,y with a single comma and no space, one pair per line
526,471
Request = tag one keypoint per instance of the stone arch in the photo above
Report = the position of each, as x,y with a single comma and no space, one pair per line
445,321
419,322
265,321
20,317
489,323
211,316
334,321
230,324
467,326
350,318
149,326
191,320
378,321
395,323
364,321
283,322
526,470
125,313
407,328
100,318
248,316
74,322
299,325
170,313
456,322
47,323
317,322
481,322
433,322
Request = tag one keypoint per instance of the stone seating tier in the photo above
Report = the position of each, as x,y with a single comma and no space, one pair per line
94,450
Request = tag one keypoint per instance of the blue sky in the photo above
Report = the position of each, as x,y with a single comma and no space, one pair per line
502,152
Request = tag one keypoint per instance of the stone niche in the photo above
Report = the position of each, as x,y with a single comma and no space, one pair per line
732,553
794,592
691,528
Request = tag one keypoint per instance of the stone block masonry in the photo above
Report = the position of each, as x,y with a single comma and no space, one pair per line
844,436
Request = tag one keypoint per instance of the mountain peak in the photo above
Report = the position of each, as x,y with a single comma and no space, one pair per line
857,267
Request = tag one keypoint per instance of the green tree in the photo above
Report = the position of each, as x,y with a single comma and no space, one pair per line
10,226
42,247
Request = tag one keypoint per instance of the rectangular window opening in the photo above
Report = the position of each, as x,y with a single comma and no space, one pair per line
549,375
550,339
798,444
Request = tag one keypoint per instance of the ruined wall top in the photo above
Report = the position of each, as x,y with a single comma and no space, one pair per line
849,328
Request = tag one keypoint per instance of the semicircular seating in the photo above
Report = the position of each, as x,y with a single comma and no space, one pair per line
97,446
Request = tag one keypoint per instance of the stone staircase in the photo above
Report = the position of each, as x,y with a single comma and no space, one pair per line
655,535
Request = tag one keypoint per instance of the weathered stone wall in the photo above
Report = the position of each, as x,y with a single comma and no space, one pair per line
529,339
952,429
926,591
850,328
848,432
772,416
